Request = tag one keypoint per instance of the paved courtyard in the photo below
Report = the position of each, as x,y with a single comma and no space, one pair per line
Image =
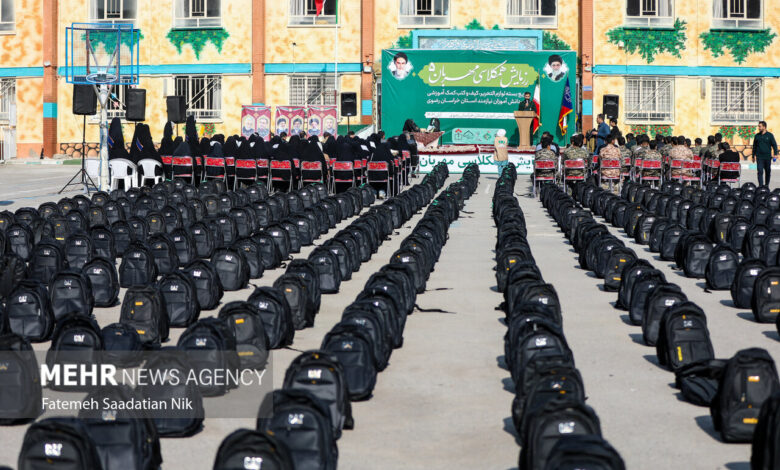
444,401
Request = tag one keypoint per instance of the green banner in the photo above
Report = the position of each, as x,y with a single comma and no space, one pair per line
474,91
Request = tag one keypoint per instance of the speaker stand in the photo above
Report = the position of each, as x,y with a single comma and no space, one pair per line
347,125
81,177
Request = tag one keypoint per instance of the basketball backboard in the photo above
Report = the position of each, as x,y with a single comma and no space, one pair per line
101,54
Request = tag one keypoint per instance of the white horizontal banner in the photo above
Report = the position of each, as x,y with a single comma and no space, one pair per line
457,163
467,115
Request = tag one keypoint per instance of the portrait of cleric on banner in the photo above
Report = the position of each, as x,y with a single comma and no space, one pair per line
476,92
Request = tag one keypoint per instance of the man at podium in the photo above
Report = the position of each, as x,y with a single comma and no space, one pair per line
526,104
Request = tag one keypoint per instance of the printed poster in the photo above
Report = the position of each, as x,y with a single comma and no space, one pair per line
322,119
290,119
256,119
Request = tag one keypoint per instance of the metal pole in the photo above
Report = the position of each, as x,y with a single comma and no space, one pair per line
103,98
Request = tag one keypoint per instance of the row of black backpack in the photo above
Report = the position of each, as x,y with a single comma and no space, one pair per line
319,385
244,332
732,246
733,389
554,426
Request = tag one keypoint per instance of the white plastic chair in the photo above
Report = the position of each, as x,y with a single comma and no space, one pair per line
149,166
123,170
92,165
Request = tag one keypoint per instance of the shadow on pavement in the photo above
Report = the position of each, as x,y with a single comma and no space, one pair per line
705,423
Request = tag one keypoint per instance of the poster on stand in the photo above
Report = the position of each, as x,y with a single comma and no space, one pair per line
290,119
322,119
256,119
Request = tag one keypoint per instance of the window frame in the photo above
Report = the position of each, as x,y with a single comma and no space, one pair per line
196,22
123,20
732,120
311,20
213,84
649,21
421,21
7,99
533,21
8,27
727,22
309,76
645,117
120,112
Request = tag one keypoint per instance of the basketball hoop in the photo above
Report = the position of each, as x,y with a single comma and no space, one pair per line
102,55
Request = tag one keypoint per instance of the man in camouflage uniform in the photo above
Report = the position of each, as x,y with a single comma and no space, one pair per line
680,151
545,153
697,147
609,152
626,157
651,154
576,152
711,152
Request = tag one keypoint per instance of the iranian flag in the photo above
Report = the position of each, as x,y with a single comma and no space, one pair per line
537,105
319,4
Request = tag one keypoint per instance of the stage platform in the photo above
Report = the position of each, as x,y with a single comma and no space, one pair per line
458,157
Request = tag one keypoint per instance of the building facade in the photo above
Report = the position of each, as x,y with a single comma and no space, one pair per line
687,67
692,67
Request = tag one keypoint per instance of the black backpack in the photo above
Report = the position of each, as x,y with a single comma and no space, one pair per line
232,268
744,280
282,239
320,373
76,340
737,233
618,259
181,299
211,345
669,241
164,253
104,280
71,292
28,311
698,381
183,422
47,260
246,322
138,267
721,267
306,270
628,276
252,255
547,382
207,283
296,290
683,337
184,246
123,437
765,302
583,451
354,347
203,240
327,265
227,226
750,377
122,236
268,250
20,240
60,443
143,308
275,313
697,251
644,285
543,426
658,301
22,375
302,422
247,448
78,249
765,453
122,345
103,244
751,245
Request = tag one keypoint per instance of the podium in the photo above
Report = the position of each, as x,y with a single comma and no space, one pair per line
524,120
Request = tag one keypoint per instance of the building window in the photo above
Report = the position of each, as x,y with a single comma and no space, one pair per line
203,95
649,13
736,100
424,13
7,18
737,14
114,11
649,100
197,14
532,13
306,90
7,98
304,13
